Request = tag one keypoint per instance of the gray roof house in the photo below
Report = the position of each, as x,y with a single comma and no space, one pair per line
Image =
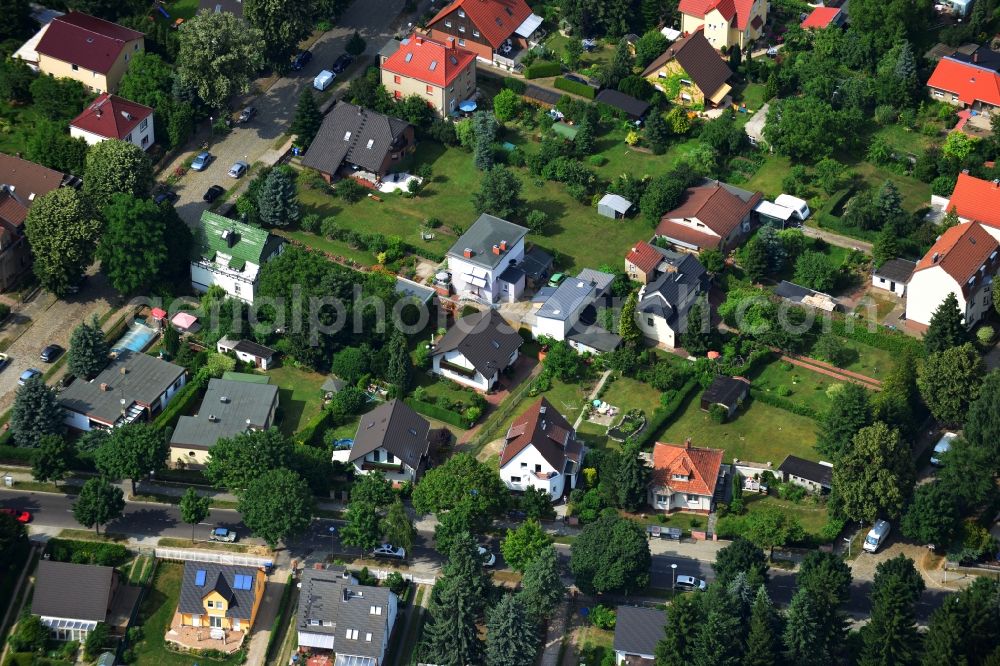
485,262
392,439
894,275
476,349
241,588
568,313
613,206
133,387
72,598
358,138
228,409
814,476
338,616
664,302
637,631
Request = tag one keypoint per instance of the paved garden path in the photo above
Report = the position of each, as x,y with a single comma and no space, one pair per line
592,396
273,592
554,635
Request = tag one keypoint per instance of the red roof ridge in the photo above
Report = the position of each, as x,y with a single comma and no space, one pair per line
969,81
644,256
416,56
110,122
960,252
702,464
976,199
496,19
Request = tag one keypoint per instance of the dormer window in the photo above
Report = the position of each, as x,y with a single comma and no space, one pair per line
461,13
680,477
347,136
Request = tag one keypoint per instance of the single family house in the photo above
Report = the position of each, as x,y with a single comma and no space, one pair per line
726,23
968,81
645,261
569,312
638,630
440,73
248,351
713,215
816,477
495,30
893,276
685,478
974,200
691,73
72,599
392,439
476,349
823,17
662,309
230,254
540,450
114,117
229,408
485,261
220,596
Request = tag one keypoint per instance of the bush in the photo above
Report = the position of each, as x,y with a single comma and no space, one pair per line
96,641
603,617
665,412
985,334
396,582
181,401
791,492
783,391
351,190
882,338
782,403
718,413
575,87
87,552
440,413
29,636
597,160
541,69
517,85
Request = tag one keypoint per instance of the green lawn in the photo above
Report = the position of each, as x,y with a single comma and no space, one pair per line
299,396
622,158
594,645
906,140
759,433
334,247
812,516
445,391
769,176
916,194
184,9
17,123
627,393
807,388
602,55
753,96
871,361
154,617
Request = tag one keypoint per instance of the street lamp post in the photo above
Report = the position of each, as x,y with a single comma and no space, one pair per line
673,571
848,540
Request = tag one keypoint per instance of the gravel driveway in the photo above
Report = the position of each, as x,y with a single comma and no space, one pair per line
53,321
374,19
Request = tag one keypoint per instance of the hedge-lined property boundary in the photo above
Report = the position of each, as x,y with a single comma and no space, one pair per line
881,338
774,400
542,68
182,399
316,425
581,89
666,412
439,413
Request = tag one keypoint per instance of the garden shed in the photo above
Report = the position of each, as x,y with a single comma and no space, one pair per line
729,392
613,206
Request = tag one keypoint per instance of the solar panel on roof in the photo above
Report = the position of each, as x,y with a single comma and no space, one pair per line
199,578
453,59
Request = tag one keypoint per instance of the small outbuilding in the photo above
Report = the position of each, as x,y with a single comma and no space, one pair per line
893,276
185,322
331,386
613,206
813,476
729,392
247,351
804,296
632,107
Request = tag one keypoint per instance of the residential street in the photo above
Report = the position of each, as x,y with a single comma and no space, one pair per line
374,19
147,520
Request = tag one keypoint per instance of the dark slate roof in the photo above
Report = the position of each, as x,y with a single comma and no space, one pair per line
511,275
484,233
485,339
636,108
594,336
333,385
726,390
395,427
543,95
807,469
72,591
638,630
224,412
345,135
220,578
330,604
130,375
536,263
231,6
254,349
897,270
699,59
662,296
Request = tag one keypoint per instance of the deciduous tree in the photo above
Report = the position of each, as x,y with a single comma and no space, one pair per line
649,47
541,585
234,462
461,478
771,527
523,545
373,488
276,505
283,23
132,451
932,515
36,413
397,526
219,56
98,503
949,382
849,411
116,167
63,232
499,193
741,555
868,490
133,247
58,99
50,145
362,528
507,104
611,555
814,270
15,79
51,462
194,509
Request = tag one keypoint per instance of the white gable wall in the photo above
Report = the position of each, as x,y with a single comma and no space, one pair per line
455,357
519,473
927,290
459,267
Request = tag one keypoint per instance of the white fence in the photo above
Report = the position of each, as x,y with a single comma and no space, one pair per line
193,555
382,574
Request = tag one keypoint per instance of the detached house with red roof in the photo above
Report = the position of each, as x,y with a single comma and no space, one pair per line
90,50
440,73
540,450
713,215
823,17
963,261
726,23
974,199
494,30
685,478
114,117
968,81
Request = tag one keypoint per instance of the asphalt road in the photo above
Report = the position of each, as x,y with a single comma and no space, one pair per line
152,520
373,19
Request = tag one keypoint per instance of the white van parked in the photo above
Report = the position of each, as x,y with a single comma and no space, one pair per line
799,206
877,535
942,447
323,80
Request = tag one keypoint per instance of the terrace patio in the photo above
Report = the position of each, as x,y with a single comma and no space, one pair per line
200,638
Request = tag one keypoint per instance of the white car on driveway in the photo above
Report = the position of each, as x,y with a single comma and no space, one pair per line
390,551
690,583
238,169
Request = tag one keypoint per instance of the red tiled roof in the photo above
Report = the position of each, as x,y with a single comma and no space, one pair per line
83,40
821,17
700,465
12,210
496,19
428,61
685,234
644,256
111,116
967,80
960,251
714,206
976,199
547,431
700,8
28,179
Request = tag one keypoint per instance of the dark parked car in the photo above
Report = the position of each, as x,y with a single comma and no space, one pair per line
169,196
50,353
578,79
342,63
213,193
301,60
247,114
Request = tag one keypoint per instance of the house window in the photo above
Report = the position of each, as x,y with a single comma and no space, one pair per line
685,97
447,24
376,454
389,457
685,82
397,95
368,636
461,14
515,479
662,499
680,477
649,321
128,139
375,610
475,33
351,634
524,465
461,28
461,42
191,454
430,90
236,288
210,604
396,79
76,68
538,469
215,621
692,499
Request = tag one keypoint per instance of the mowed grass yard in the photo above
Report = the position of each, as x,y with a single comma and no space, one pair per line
299,396
811,516
759,432
154,617
575,233
807,388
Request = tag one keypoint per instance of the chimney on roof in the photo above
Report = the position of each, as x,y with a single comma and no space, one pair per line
496,249
451,42
467,253
541,410
104,386
98,112
419,40
996,182
503,246
687,443
213,418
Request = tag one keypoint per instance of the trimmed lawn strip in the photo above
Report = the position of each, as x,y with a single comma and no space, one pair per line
201,544
88,535
299,394
807,388
594,645
811,516
759,432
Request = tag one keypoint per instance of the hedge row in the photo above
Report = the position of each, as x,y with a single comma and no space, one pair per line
315,427
17,455
666,412
87,552
775,400
581,89
542,68
439,413
279,619
882,338
517,85
180,402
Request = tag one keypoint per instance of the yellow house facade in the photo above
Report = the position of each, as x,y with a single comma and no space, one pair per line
691,73
726,23
220,597
87,49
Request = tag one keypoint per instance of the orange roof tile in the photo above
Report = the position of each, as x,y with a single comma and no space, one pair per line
700,465
967,80
111,116
496,19
821,17
428,61
960,251
644,256
714,206
700,8
976,199
547,430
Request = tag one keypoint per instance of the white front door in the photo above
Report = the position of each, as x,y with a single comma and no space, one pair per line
196,621
236,625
